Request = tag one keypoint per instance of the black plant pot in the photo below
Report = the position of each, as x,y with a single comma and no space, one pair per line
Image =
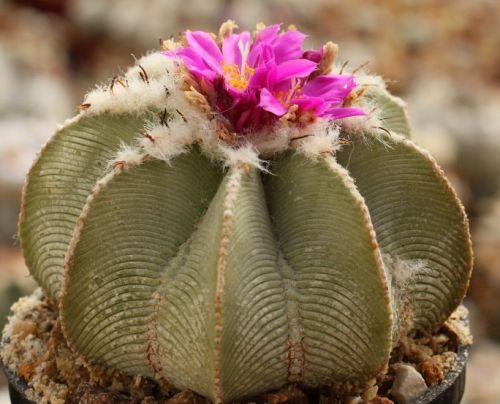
449,391
17,388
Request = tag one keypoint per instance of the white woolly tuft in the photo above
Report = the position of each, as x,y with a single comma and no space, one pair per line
139,90
243,155
311,140
203,128
136,96
401,274
270,143
370,80
127,156
166,142
156,65
154,83
360,125
322,138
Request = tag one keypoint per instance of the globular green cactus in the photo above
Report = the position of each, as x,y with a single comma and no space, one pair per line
217,276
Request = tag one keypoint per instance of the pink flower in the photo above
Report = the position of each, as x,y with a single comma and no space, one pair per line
251,84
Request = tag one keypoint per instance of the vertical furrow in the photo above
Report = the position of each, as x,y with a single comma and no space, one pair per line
133,224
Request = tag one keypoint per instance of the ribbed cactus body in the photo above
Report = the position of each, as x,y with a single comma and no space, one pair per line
233,281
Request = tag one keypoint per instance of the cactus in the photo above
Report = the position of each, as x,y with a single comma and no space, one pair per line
174,252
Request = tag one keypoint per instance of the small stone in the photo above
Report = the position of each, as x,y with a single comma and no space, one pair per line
276,398
432,370
408,384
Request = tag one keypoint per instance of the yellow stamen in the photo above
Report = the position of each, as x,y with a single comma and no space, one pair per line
237,77
285,97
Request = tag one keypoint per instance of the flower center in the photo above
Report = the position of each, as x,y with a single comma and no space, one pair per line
238,78
285,97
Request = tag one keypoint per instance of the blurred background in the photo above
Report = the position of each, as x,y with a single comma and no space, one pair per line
441,56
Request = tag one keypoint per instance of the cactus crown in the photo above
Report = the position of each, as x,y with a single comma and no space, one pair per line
181,247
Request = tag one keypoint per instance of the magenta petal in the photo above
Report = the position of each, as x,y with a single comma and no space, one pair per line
330,86
230,47
203,43
270,103
343,112
288,46
260,54
230,51
259,79
194,63
207,74
313,104
260,76
269,33
191,58
291,68
314,55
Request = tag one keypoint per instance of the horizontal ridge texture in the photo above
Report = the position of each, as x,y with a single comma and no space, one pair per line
58,185
420,224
